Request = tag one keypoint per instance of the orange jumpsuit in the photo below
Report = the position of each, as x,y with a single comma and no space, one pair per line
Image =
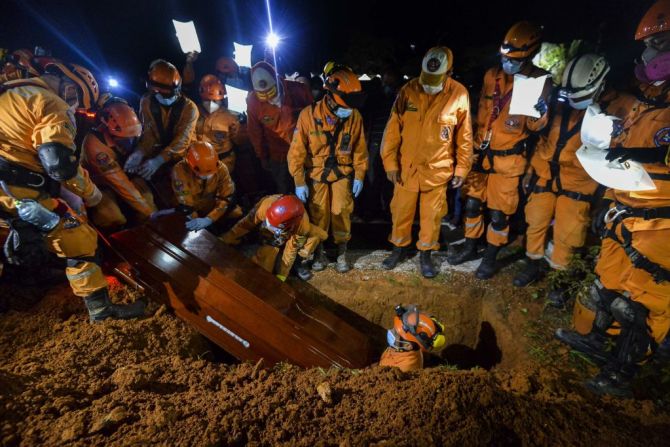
105,161
646,126
428,138
500,138
211,197
220,130
29,117
331,167
404,360
266,255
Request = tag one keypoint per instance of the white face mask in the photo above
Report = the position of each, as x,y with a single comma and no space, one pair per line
432,90
343,113
205,177
211,106
166,101
580,105
511,66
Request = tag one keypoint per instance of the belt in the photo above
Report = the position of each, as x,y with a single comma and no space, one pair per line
619,212
17,175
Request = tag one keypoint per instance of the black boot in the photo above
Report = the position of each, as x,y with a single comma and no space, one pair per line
301,268
558,298
397,255
487,268
427,267
100,307
342,265
530,274
466,252
594,344
320,260
612,381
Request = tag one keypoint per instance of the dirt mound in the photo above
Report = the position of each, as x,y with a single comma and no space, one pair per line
65,381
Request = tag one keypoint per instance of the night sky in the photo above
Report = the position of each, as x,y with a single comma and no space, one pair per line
121,37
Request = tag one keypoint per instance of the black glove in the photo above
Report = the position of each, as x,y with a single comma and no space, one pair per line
25,245
541,107
642,155
598,223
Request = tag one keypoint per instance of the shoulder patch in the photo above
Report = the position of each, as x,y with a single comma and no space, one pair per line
662,137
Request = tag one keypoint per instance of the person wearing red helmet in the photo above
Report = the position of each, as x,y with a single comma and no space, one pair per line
104,151
203,186
216,125
283,226
272,108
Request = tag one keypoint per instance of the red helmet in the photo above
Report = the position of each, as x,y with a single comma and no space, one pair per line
655,20
211,88
202,158
286,213
345,88
120,120
414,330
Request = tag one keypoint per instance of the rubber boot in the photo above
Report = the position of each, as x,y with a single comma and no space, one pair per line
530,274
320,260
595,344
466,252
427,267
100,307
397,255
487,268
558,298
612,381
301,268
342,265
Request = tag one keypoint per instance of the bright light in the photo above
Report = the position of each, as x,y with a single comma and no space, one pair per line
112,82
272,40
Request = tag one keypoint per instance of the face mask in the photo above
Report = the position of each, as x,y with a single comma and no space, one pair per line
648,54
126,144
205,177
166,101
656,68
580,105
511,66
211,106
432,89
343,113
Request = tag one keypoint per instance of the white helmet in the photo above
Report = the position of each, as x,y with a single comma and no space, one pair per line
584,76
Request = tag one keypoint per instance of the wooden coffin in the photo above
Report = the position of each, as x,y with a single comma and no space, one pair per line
239,306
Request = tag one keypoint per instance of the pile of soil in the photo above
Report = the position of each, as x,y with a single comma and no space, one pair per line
65,381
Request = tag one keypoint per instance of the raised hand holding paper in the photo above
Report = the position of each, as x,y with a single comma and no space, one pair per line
188,38
525,95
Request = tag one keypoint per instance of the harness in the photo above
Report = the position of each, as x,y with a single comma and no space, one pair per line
331,164
165,133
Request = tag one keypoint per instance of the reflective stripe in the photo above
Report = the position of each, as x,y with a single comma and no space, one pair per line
340,233
84,274
501,232
534,257
430,244
470,225
399,240
555,266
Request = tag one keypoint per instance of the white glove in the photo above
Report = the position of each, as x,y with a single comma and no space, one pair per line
198,223
33,212
133,162
149,167
302,192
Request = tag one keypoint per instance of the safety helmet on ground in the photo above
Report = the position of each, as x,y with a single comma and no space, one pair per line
202,158
227,65
163,78
87,87
23,60
264,81
521,41
414,330
285,214
211,88
345,88
436,65
120,120
655,20
584,76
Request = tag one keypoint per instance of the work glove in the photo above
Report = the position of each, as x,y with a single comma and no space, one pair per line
642,155
393,176
133,162
149,167
198,223
302,192
358,187
25,245
541,107
33,212
457,182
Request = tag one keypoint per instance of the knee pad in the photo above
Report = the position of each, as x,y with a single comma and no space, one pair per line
76,262
473,207
629,313
499,220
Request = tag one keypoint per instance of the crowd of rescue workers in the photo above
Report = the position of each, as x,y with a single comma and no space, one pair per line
73,159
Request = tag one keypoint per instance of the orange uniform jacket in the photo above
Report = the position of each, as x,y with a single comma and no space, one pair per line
211,196
29,117
429,138
256,217
270,127
219,129
506,130
106,167
310,149
406,361
178,138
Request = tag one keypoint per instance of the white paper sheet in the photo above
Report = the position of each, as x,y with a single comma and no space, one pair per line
525,95
243,54
626,176
188,38
597,128
237,99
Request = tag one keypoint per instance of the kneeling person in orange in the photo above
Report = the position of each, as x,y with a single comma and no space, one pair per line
500,145
560,188
329,146
37,157
413,334
282,224
105,150
427,143
216,125
202,184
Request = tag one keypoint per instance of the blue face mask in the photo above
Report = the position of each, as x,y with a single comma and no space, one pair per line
343,113
511,66
166,101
